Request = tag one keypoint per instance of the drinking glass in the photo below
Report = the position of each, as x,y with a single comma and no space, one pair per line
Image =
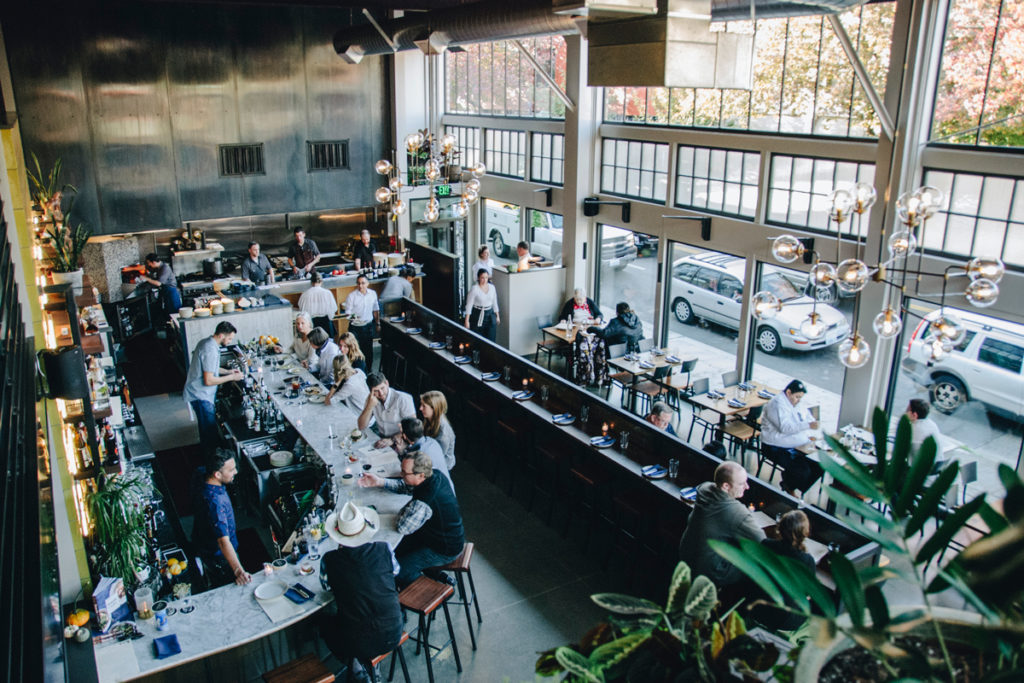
448,342
476,357
544,392
623,440
673,468
584,413
507,373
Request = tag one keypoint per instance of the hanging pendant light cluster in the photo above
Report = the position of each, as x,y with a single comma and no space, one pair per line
431,160
851,275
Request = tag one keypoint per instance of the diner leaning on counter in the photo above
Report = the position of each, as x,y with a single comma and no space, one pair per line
363,306
482,314
301,347
363,251
256,267
431,523
303,253
203,378
399,285
213,529
434,409
349,386
388,407
319,302
160,276
326,350
785,427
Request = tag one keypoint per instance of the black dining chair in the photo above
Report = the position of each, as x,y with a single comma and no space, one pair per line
653,389
679,385
623,380
549,347
705,417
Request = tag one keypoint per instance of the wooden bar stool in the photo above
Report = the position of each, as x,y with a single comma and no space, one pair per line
305,669
460,566
423,596
372,668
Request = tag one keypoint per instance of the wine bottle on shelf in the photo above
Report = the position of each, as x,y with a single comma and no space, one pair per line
83,454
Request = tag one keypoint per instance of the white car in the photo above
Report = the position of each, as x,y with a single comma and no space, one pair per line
986,365
709,286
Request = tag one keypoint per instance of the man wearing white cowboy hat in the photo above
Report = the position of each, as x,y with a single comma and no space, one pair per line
360,574
431,522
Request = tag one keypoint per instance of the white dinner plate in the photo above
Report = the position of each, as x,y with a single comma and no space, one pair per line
318,398
271,590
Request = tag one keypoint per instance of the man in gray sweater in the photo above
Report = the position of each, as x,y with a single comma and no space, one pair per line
718,515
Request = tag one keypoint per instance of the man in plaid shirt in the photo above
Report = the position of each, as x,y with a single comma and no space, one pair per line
431,522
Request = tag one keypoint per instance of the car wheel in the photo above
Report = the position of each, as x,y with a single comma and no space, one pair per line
682,310
768,341
498,245
947,393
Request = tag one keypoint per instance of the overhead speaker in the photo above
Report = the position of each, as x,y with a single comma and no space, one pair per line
65,373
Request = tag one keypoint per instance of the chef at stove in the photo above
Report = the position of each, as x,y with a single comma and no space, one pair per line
303,254
256,267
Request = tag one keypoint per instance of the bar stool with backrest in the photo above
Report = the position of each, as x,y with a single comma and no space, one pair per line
549,347
423,596
745,432
588,490
461,566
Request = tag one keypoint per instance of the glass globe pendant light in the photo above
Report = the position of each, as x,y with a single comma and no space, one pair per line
433,210
812,327
982,292
842,204
988,268
851,275
383,167
764,305
887,324
786,249
902,243
822,274
864,196
854,352
938,346
908,208
950,327
461,209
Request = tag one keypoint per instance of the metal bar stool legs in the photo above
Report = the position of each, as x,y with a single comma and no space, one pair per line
423,596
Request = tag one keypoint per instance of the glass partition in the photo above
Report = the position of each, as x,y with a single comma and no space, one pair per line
501,229
626,273
545,233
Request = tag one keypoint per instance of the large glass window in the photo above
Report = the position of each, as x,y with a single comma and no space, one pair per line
506,152
703,295
975,392
500,228
626,274
494,79
545,231
803,82
979,98
983,215
468,143
719,180
782,352
547,158
632,168
799,191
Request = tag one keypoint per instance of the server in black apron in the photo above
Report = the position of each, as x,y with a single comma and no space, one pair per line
482,307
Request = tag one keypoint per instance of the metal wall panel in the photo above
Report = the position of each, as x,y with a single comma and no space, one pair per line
137,99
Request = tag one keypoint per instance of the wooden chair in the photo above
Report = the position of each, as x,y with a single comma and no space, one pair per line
461,566
705,417
624,380
549,347
745,433
680,385
653,389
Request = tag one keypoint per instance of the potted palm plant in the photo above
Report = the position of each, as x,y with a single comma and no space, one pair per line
47,189
68,240
117,510
900,503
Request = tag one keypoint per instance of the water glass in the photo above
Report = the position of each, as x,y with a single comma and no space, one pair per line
448,342
623,440
476,357
584,413
506,372
673,468
544,392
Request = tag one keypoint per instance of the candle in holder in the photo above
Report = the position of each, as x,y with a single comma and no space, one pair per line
526,384
604,429
144,602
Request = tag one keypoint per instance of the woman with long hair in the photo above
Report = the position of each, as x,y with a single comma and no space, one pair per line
349,385
349,346
434,408
794,528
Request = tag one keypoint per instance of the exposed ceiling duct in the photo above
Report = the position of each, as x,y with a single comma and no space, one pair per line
739,10
483,22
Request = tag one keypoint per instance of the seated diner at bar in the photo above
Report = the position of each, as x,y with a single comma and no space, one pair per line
735,346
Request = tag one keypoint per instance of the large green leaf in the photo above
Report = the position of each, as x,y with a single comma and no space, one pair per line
678,588
865,486
701,598
1013,505
953,576
859,507
896,469
995,521
751,567
851,460
947,530
880,428
914,482
794,578
928,506
610,655
850,589
877,605
577,664
625,604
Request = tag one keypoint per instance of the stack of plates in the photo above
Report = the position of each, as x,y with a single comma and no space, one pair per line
281,458
397,318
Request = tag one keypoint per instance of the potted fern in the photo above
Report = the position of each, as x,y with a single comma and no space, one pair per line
899,501
47,189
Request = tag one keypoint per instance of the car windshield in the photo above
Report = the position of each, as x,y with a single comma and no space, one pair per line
780,286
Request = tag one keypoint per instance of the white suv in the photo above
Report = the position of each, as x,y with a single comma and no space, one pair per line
986,365
709,286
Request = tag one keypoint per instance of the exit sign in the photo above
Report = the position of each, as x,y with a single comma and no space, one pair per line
443,191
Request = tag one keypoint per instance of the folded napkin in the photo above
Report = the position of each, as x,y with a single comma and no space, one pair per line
673,359
658,352
602,440
736,403
490,376
435,345
689,493
563,418
764,393
746,385
714,395
654,471
522,395
646,366
463,359
630,357
166,646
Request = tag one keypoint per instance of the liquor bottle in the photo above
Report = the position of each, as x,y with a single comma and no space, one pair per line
83,453
110,446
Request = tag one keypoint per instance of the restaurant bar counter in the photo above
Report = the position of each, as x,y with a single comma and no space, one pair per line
229,621
519,446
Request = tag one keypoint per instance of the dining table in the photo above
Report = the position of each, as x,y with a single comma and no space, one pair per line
640,365
746,393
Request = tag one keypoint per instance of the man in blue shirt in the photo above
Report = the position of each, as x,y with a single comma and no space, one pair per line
661,417
213,529
204,376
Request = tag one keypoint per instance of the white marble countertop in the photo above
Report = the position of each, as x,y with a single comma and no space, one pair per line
230,616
